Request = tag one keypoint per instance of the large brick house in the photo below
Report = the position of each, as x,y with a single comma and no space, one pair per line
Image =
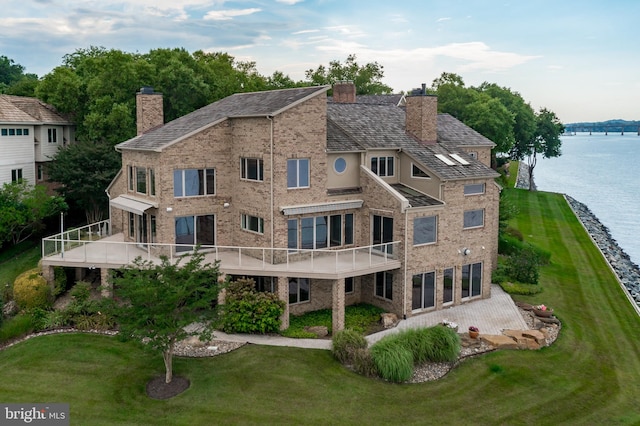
31,132
325,201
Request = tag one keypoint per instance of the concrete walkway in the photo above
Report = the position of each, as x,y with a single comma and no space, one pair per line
491,316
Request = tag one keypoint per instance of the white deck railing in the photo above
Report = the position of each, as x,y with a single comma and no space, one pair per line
92,245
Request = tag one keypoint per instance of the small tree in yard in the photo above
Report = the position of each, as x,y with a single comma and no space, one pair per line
155,302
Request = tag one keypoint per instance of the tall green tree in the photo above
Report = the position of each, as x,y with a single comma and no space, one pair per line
23,208
85,170
547,140
158,301
367,78
13,79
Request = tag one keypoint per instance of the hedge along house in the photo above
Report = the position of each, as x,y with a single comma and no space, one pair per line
327,202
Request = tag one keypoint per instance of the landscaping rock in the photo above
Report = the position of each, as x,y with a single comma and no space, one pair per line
389,320
500,341
9,309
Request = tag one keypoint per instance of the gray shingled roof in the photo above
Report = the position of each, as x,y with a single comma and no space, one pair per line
454,132
416,198
24,110
390,99
255,104
383,126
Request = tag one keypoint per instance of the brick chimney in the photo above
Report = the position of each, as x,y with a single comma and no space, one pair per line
149,110
422,115
344,92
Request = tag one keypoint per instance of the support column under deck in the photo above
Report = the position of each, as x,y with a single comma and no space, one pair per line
338,305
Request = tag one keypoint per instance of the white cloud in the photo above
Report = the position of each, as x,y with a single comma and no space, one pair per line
289,2
305,32
443,19
225,15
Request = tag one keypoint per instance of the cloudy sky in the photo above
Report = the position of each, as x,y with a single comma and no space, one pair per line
578,58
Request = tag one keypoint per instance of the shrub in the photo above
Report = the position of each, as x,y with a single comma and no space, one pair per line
346,343
392,360
248,311
432,344
360,317
53,320
520,288
445,344
59,281
523,266
30,290
363,363
16,327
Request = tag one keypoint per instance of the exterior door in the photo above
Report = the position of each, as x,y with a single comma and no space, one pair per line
143,230
382,232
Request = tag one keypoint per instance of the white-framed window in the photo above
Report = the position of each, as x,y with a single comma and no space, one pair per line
447,286
473,154
473,218
16,175
132,225
474,189
52,135
298,173
425,230
252,223
252,169
384,285
141,180
319,232
382,166
131,177
40,172
471,280
194,182
192,230
152,182
417,172
340,165
423,293
299,290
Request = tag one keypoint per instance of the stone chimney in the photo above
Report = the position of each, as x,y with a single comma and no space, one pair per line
422,115
344,92
149,110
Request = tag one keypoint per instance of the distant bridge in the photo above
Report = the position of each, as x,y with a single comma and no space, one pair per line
599,128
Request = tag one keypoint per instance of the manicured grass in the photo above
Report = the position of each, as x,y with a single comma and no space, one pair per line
16,260
591,375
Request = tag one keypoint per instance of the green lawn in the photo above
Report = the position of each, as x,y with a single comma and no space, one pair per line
591,375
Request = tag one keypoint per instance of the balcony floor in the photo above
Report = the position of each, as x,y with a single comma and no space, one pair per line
113,252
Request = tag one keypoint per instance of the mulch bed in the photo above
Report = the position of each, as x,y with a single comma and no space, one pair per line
158,389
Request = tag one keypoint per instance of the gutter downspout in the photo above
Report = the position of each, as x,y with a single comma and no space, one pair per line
404,292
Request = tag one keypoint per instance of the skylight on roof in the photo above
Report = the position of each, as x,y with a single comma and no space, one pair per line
445,160
459,159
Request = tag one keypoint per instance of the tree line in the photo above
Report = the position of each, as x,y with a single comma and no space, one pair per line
96,86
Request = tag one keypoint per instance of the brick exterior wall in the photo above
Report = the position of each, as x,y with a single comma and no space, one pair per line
300,132
422,113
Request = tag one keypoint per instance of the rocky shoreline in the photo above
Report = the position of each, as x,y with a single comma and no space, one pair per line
628,273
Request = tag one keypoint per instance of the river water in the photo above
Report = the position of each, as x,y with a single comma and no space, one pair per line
601,171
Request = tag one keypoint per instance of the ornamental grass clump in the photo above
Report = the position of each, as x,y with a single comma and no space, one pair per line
345,344
392,359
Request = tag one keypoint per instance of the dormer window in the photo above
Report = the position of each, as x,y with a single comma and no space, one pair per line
382,166
417,172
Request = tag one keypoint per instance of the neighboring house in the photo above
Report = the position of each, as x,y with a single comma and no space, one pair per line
326,204
31,132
